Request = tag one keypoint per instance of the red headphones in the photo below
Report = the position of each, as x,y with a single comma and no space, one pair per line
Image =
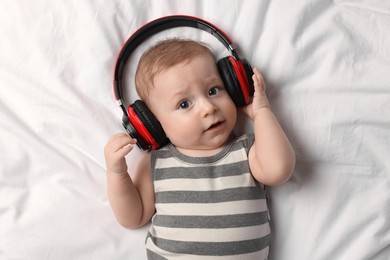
138,120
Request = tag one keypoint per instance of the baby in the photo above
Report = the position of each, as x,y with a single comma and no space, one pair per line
204,191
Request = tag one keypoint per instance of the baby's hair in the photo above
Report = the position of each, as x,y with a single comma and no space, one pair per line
162,56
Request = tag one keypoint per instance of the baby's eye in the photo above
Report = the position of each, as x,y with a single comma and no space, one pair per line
213,91
184,104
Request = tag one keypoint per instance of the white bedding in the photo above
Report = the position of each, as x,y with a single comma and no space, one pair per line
327,68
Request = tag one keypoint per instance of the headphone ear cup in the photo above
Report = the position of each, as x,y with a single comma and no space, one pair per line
230,80
248,70
237,77
141,143
154,133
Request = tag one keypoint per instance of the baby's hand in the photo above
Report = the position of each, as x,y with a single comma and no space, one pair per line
117,147
260,99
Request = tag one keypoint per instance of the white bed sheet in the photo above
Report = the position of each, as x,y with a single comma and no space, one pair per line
327,68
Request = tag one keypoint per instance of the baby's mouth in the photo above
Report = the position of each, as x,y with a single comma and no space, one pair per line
215,125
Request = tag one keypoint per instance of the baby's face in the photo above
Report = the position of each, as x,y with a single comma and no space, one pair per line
193,107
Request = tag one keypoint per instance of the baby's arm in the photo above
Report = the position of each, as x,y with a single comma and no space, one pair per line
271,158
131,198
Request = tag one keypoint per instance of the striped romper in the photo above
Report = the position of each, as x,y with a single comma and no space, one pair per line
208,207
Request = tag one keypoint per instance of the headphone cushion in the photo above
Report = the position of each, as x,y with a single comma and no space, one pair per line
249,73
131,130
150,122
231,81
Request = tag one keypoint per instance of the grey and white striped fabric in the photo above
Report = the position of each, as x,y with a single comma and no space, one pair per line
208,207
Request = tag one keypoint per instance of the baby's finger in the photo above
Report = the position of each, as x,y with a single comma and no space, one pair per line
118,141
122,152
123,140
258,81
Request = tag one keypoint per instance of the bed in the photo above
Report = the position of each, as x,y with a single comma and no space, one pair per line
327,69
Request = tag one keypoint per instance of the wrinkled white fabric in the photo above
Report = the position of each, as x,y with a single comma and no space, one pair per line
326,66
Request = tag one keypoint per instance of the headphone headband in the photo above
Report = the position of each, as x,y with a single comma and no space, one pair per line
155,27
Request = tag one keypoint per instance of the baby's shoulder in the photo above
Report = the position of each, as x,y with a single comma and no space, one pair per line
246,141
